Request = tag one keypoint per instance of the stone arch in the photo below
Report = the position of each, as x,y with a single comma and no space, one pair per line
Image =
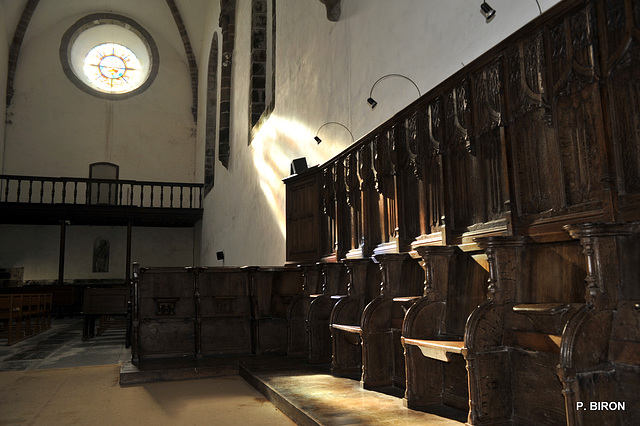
16,44
191,58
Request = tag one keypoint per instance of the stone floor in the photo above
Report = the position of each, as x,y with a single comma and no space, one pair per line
310,395
62,346
307,394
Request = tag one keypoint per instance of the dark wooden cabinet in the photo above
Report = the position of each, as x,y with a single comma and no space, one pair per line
303,214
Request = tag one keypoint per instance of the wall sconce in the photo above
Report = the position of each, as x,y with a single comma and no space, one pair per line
488,12
372,101
318,140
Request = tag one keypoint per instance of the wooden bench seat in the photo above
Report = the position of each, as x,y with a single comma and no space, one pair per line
541,308
548,320
346,316
383,361
334,287
514,339
103,303
433,328
298,310
10,318
436,349
348,328
23,315
600,349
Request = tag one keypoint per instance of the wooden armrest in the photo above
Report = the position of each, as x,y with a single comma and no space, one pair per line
406,298
338,296
541,308
348,328
437,349
316,295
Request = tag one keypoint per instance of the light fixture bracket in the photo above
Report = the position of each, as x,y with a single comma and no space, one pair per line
317,138
372,102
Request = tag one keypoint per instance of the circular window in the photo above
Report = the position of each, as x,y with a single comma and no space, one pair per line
109,56
113,68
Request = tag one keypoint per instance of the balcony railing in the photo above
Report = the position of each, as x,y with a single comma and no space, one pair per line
104,192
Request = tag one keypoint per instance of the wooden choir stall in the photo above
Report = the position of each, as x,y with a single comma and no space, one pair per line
491,233
478,251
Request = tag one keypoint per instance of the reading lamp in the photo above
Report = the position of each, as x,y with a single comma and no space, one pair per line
317,138
372,101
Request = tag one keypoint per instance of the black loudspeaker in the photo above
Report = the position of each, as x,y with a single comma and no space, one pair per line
298,165
220,255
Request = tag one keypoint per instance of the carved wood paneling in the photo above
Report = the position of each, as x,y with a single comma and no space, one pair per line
488,112
409,171
371,214
434,166
465,194
621,59
384,168
328,217
539,132
353,200
531,138
576,108
343,213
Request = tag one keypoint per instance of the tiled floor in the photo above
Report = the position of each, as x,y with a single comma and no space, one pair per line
62,346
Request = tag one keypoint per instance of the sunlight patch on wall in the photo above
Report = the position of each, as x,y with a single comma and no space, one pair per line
277,143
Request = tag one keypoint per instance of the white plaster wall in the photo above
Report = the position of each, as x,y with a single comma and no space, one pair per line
243,210
36,249
325,71
58,130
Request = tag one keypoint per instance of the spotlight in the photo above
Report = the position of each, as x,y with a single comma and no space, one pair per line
372,102
488,12
317,138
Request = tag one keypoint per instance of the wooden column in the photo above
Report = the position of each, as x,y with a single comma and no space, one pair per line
63,232
128,261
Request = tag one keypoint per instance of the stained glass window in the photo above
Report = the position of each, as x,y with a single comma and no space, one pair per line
113,68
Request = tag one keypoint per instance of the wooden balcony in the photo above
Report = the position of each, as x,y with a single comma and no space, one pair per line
109,202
